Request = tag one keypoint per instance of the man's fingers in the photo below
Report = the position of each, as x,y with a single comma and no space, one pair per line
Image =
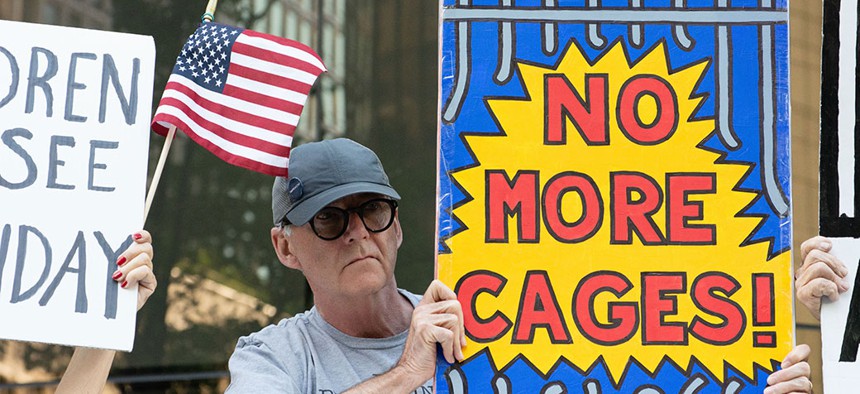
441,296
794,375
817,256
437,291
798,354
798,370
818,242
817,288
811,294
820,270
445,338
799,385
448,321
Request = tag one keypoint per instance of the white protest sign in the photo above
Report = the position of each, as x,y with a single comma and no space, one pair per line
74,140
839,341
838,199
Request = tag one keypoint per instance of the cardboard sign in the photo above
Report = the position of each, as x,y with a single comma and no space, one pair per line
614,183
74,137
838,219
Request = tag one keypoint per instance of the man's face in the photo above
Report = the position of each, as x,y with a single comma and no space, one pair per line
358,262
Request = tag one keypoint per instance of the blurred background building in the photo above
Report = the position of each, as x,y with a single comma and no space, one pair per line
218,278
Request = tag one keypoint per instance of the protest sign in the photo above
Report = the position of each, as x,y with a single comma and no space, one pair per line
74,140
614,184
839,203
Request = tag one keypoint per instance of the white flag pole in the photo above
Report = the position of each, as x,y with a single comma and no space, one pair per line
153,185
208,16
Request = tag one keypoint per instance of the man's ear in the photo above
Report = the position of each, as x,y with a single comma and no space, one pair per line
282,248
397,229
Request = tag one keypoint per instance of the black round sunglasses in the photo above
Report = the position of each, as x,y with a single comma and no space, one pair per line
377,215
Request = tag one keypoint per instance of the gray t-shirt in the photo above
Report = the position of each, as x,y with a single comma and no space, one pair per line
305,354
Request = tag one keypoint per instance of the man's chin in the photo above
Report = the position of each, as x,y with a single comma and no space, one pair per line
364,282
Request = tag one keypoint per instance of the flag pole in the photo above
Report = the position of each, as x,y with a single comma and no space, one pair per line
208,16
158,170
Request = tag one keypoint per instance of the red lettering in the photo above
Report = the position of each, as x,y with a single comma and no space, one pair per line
704,294
655,287
592,207
508,198
468,289
631,214
679,210
591,117
539,308
631,124
623,316
763,300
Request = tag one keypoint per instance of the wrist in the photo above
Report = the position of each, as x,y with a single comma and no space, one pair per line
409,376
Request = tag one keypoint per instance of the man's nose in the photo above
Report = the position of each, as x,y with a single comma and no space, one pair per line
355,229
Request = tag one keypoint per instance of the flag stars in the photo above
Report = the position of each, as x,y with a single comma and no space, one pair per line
205,57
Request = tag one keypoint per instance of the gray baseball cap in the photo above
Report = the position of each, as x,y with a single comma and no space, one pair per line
322,172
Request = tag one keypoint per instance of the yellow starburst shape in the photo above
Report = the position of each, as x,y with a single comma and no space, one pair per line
599,227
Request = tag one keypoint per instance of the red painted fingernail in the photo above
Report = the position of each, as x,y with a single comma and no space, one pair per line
137,236
124,284
120,261
117,274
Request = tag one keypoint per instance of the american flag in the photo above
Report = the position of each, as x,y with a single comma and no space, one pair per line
239,93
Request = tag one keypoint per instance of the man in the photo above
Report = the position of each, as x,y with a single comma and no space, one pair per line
336,222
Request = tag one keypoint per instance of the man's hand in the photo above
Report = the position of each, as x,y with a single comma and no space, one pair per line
438,318
794,377
135,267
820,275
